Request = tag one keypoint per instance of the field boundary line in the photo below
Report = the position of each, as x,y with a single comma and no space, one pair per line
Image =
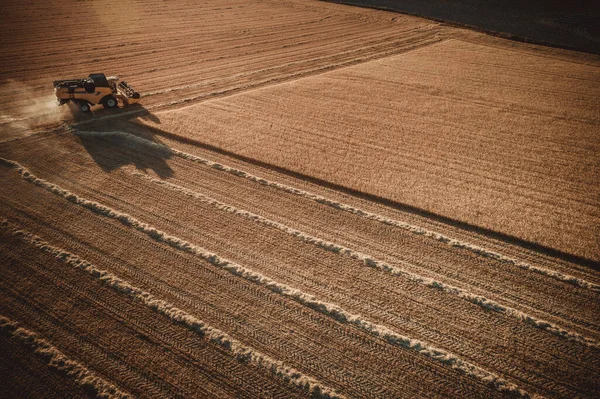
369,261
298,75
331,310
57,360
428,41
484,232
240,351
365,58
265,82
452,242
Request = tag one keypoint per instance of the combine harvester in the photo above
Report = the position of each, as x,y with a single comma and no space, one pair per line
96,89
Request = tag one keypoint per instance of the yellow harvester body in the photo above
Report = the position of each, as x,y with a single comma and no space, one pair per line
96,89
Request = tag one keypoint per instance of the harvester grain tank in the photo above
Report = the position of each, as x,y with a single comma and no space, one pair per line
95,89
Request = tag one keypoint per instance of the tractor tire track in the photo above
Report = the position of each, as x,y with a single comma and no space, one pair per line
165,215
369,261
236,348
387,366
331,310
362,213
57,360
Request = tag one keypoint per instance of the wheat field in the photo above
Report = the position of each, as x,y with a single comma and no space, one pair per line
313,200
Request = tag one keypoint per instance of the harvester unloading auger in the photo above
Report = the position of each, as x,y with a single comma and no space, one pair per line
95,89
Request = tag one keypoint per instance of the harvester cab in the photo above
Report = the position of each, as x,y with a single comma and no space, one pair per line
95,89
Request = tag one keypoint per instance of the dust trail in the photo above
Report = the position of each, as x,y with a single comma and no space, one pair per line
337,313
487,253
240,351
369,261
58,361
36,110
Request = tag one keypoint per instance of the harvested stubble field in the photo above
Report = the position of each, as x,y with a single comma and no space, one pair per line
494,137
376,206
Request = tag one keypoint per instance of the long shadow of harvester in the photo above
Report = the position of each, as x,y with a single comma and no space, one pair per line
112,142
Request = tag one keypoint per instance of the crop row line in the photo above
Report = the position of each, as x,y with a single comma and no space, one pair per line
369,261
55,359
328,309
240,351
452,242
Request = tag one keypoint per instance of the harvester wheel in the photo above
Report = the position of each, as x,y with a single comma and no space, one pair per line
110,102
136,95
84,106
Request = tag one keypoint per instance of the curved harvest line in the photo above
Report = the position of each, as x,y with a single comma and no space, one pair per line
241,352
55,359
344,62
328,309
488,253
369,261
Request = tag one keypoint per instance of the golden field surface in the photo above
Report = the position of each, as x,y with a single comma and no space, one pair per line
311,200
495,137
